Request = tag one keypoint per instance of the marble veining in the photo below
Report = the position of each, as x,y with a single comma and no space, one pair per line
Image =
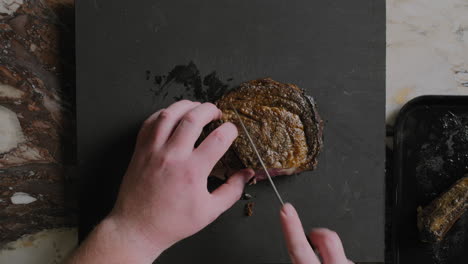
9,7
427,50
10,92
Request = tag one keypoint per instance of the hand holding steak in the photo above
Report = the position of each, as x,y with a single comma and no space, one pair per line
163,197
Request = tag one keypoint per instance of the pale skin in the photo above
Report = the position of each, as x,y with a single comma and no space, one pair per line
163,197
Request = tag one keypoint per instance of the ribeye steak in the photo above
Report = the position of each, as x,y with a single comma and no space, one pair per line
282,121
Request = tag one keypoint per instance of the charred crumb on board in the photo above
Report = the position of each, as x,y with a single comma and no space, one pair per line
246,196
202,88
252,181
248,209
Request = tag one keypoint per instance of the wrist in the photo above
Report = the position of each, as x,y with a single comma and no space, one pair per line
132,239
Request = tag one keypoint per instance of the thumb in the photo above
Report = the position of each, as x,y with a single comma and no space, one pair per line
230,192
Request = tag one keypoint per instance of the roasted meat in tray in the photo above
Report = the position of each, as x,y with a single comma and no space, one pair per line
436,219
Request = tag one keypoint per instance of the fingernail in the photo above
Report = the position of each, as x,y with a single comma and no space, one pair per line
248,175
288,209
234,127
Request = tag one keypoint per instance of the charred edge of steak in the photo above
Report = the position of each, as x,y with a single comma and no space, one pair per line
437,218
284,100
316,121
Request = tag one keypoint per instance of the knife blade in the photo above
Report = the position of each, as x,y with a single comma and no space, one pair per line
266,171
258,155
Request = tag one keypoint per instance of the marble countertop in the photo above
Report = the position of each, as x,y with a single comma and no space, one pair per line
38,201
427,50
427,53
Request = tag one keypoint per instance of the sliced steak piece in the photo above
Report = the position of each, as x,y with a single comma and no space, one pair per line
436,219
283,122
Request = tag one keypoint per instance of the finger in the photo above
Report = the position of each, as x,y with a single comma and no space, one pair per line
191,125
168,119
230,192
329,245
215,145
296,241
146,128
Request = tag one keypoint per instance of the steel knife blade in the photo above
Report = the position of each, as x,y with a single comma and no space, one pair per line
258,155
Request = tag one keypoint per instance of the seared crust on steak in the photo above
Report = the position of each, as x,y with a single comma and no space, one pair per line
283,122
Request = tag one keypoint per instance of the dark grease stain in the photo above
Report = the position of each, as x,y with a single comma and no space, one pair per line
178,97
216,88
148,74
202,88
157,80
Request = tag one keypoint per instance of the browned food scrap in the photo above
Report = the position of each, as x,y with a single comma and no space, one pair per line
249,208
283,122
246,196
436,219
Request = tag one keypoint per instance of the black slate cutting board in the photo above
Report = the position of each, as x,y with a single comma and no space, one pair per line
335,50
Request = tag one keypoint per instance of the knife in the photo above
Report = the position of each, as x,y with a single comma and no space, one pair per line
258,156
268,174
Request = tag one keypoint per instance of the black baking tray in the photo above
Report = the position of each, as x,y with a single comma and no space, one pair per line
430,154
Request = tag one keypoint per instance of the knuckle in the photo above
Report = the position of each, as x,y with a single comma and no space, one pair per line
166,161
147,122
211,105
330,239
298,251
165,115
219,137
190,118
185,101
